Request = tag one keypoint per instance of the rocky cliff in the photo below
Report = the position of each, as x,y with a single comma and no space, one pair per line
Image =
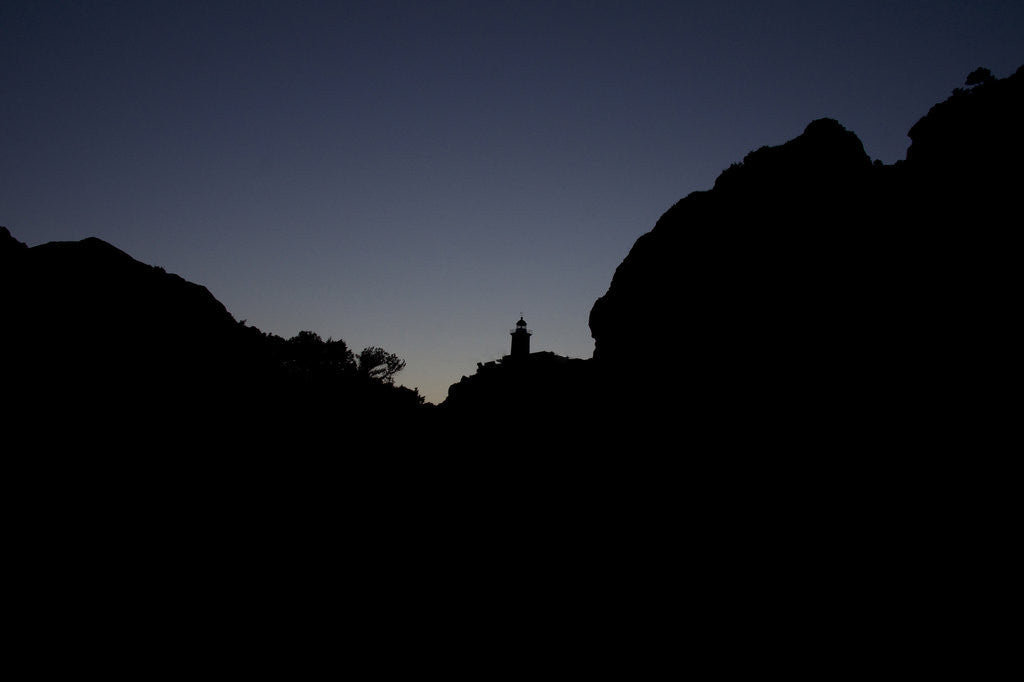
810,283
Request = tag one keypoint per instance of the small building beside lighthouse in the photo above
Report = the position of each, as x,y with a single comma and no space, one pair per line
520,339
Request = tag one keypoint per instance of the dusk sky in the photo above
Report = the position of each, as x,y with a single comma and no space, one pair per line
415,175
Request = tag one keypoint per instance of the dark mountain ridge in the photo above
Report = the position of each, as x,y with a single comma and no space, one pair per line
89,308
807,286
842,322
94,335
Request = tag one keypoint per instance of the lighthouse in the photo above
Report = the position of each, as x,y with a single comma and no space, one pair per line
520,339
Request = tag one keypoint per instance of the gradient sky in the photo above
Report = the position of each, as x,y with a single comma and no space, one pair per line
415,175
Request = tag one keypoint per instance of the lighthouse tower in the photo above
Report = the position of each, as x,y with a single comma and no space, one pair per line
520,339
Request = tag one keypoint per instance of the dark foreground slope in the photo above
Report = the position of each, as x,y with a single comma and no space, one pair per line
810,294
815,294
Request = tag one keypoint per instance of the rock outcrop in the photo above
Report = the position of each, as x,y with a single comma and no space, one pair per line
813,286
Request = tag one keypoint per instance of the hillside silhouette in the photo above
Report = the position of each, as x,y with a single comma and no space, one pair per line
810,289
811,293
96,336
846,323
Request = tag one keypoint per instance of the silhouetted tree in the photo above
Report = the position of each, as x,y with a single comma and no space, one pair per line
309,355
302,351
979,76
338,358
306,338
376,363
